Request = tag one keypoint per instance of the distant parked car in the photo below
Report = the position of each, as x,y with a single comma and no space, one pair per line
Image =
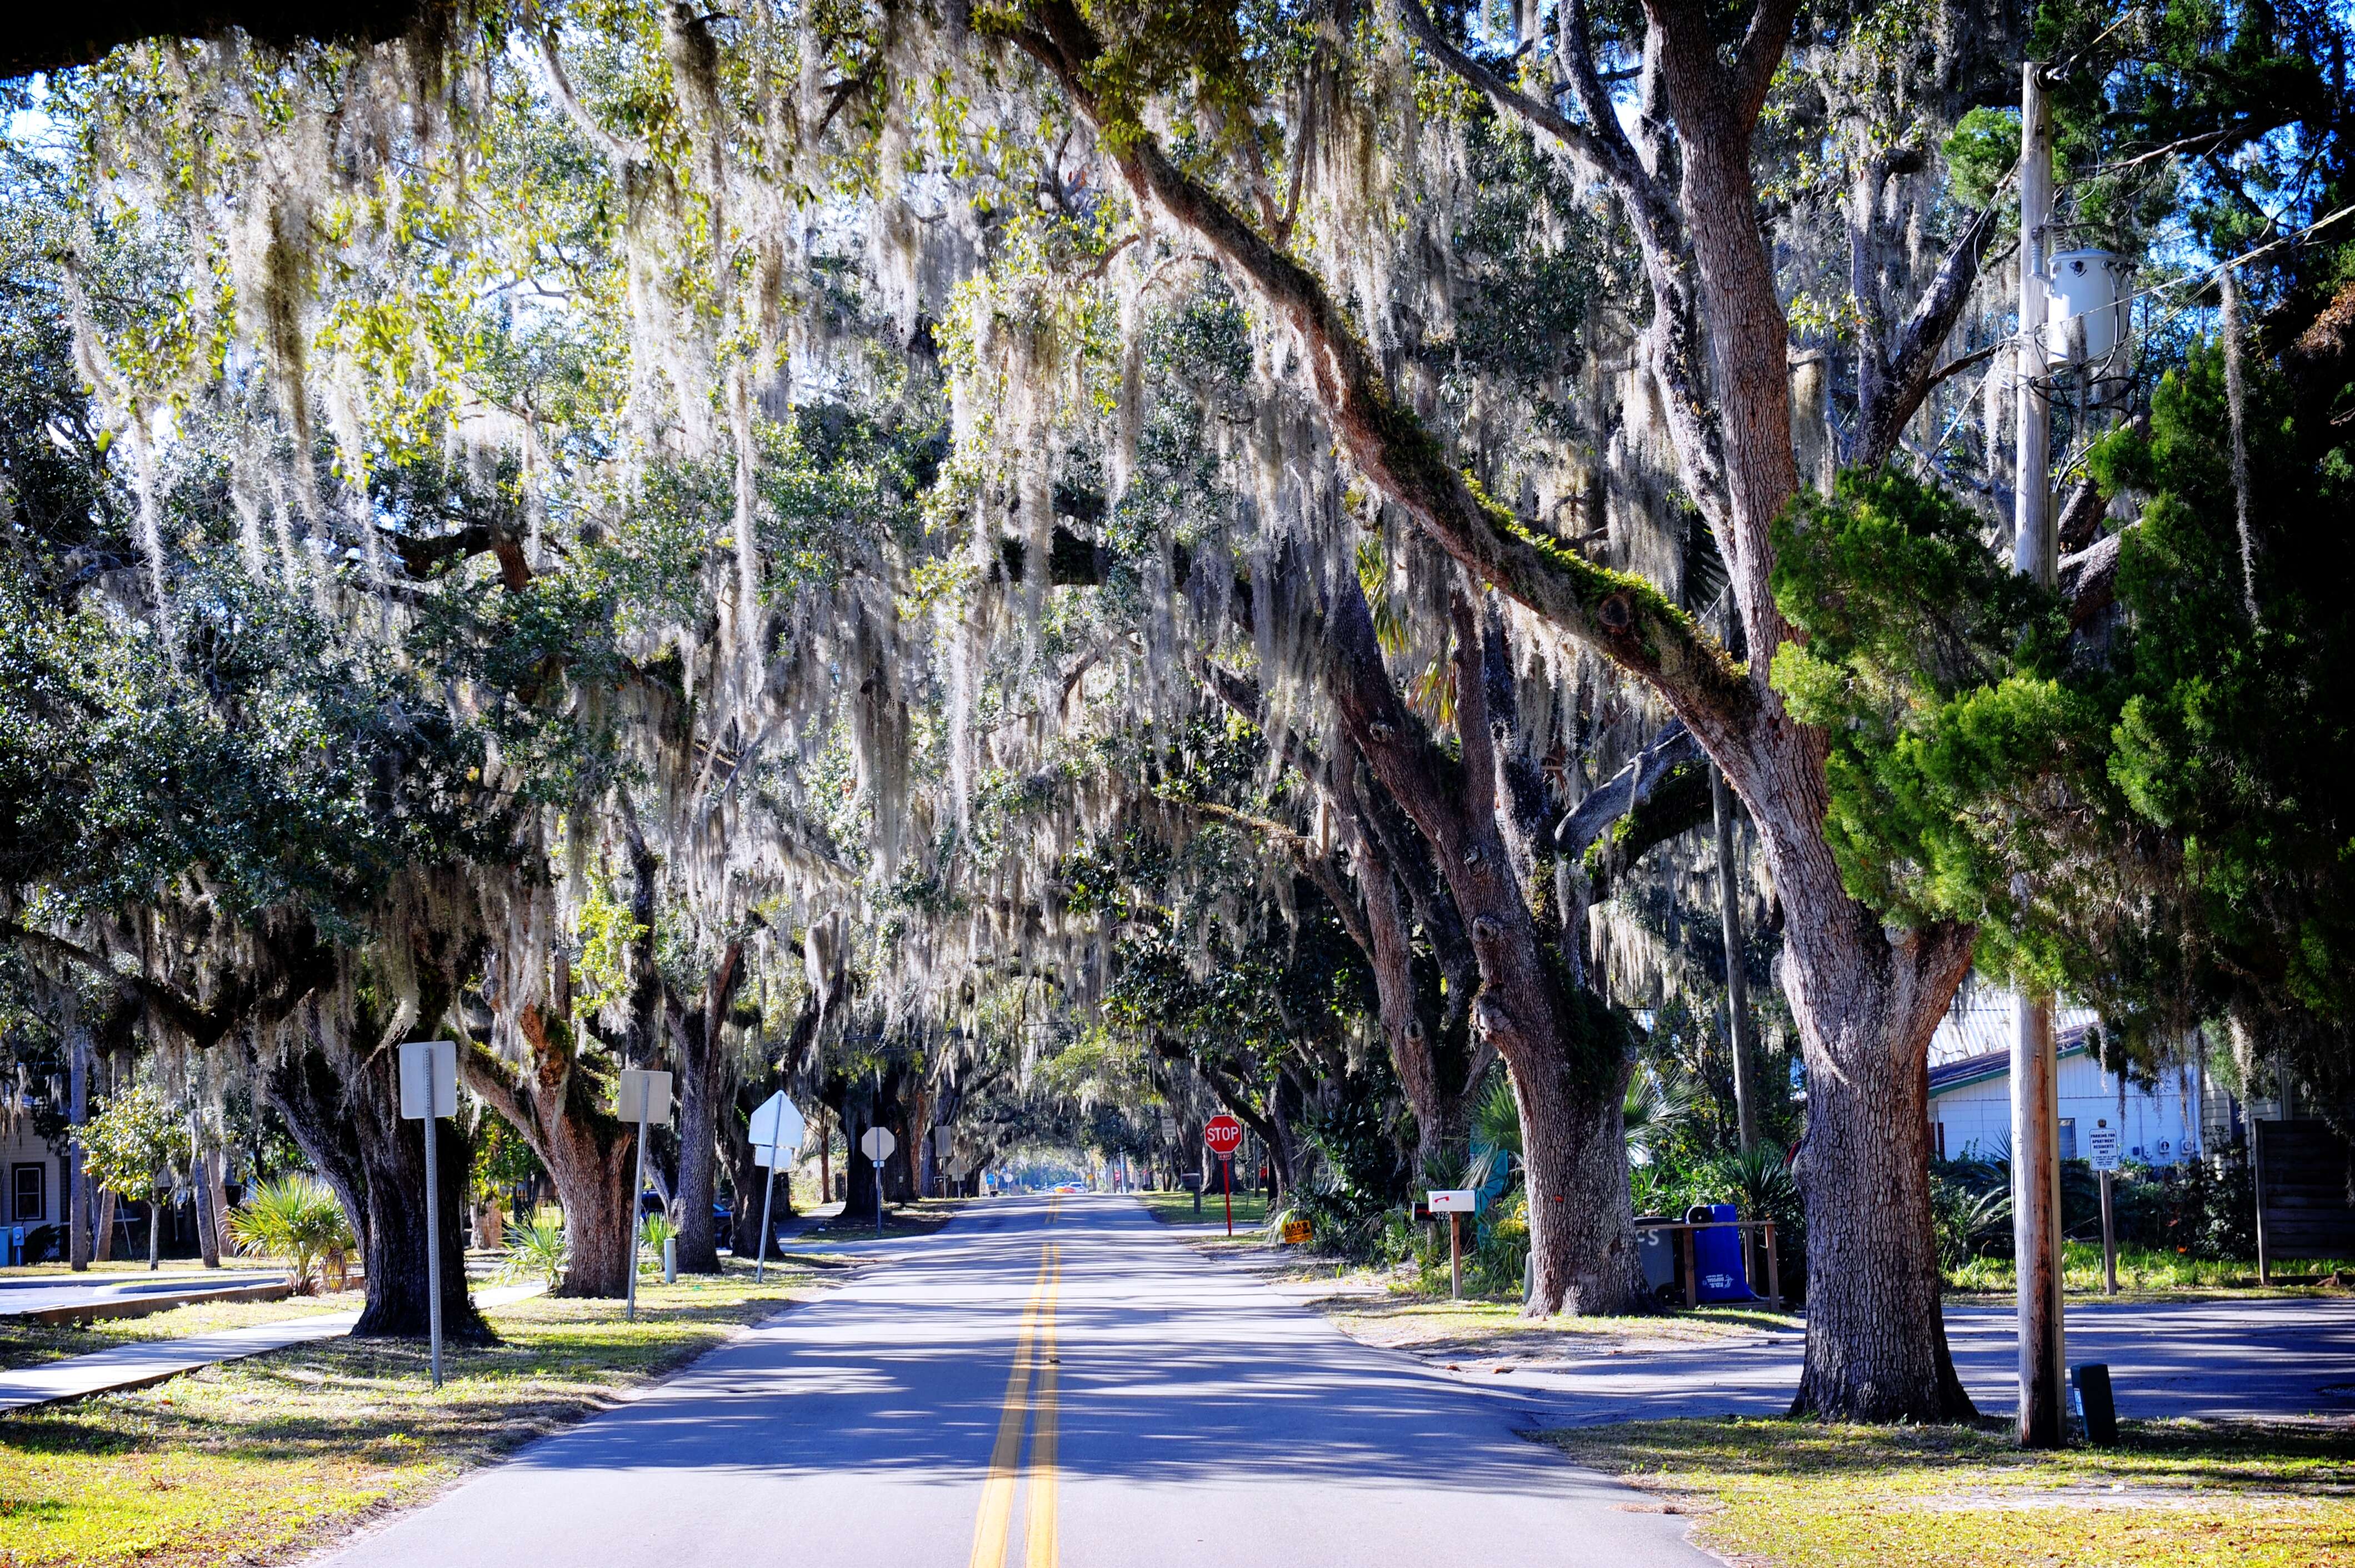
1071,1187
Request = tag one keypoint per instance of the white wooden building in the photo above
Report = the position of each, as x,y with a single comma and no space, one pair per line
1970,1091
34,1193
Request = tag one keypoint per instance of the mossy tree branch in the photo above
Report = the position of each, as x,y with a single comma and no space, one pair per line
1620,615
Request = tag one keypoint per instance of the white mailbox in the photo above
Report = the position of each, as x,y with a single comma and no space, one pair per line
1455,1201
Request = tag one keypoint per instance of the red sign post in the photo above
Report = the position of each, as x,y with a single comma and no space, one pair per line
1224,1134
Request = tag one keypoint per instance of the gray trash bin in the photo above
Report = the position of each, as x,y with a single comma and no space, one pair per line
1656,1249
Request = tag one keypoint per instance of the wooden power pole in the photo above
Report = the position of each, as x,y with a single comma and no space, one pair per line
2035,1067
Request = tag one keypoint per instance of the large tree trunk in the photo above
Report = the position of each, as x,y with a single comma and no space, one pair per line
201,1186
704,1084
347,1123
589,1156
78,1218
751,1177
1570,1054
216,1183
1423,1001
1866,1006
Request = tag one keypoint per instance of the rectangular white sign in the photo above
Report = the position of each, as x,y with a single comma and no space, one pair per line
642,1096
2102,1145
429,1079
1455,1201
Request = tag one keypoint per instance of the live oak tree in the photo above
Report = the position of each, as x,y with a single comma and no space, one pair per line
798,451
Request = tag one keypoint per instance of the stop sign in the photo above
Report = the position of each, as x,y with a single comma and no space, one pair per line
1223,1133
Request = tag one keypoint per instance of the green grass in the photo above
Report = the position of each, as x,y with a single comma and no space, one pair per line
2145,1271
24,1343
260,1460
1178,1208
1801,1495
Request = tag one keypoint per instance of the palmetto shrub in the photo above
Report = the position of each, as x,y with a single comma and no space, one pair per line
300,1220
537,1250
653,1231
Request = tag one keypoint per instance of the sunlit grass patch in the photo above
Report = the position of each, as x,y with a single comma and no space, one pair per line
2153,1273
1808,1495
1178,1208
262,1458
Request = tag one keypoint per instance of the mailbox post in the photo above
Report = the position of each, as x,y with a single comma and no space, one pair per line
1454,1202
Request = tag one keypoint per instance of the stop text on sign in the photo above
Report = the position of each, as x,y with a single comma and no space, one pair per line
1224,1134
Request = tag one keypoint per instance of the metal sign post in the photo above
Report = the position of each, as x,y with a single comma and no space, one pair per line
2103,1146
776,1124
1224,1134
877,1143
428,1091
643,1098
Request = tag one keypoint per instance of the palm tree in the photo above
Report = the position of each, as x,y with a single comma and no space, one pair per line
299,1218
1661,1103
537,1247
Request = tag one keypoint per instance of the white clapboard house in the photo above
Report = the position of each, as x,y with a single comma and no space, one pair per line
2160,1121
35,1194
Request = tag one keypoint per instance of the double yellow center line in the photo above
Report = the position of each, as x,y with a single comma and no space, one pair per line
1029,1403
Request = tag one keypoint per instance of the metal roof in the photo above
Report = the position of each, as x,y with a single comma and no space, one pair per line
1980,1024
1965,1071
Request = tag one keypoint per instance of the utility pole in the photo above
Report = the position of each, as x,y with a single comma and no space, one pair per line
1737,983
2035,1067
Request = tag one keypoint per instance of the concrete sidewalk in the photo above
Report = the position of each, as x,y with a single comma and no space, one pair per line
23,1295
137,1365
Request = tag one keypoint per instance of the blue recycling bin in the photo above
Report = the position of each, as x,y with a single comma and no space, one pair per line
1717,1255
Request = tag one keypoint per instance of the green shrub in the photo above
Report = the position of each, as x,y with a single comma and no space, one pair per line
299,1218
537,1250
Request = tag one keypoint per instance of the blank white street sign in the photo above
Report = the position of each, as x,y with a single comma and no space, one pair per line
644,1095
777,1129
429,1079
877,1143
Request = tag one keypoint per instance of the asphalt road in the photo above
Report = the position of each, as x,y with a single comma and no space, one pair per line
2213,1360
1048,1382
